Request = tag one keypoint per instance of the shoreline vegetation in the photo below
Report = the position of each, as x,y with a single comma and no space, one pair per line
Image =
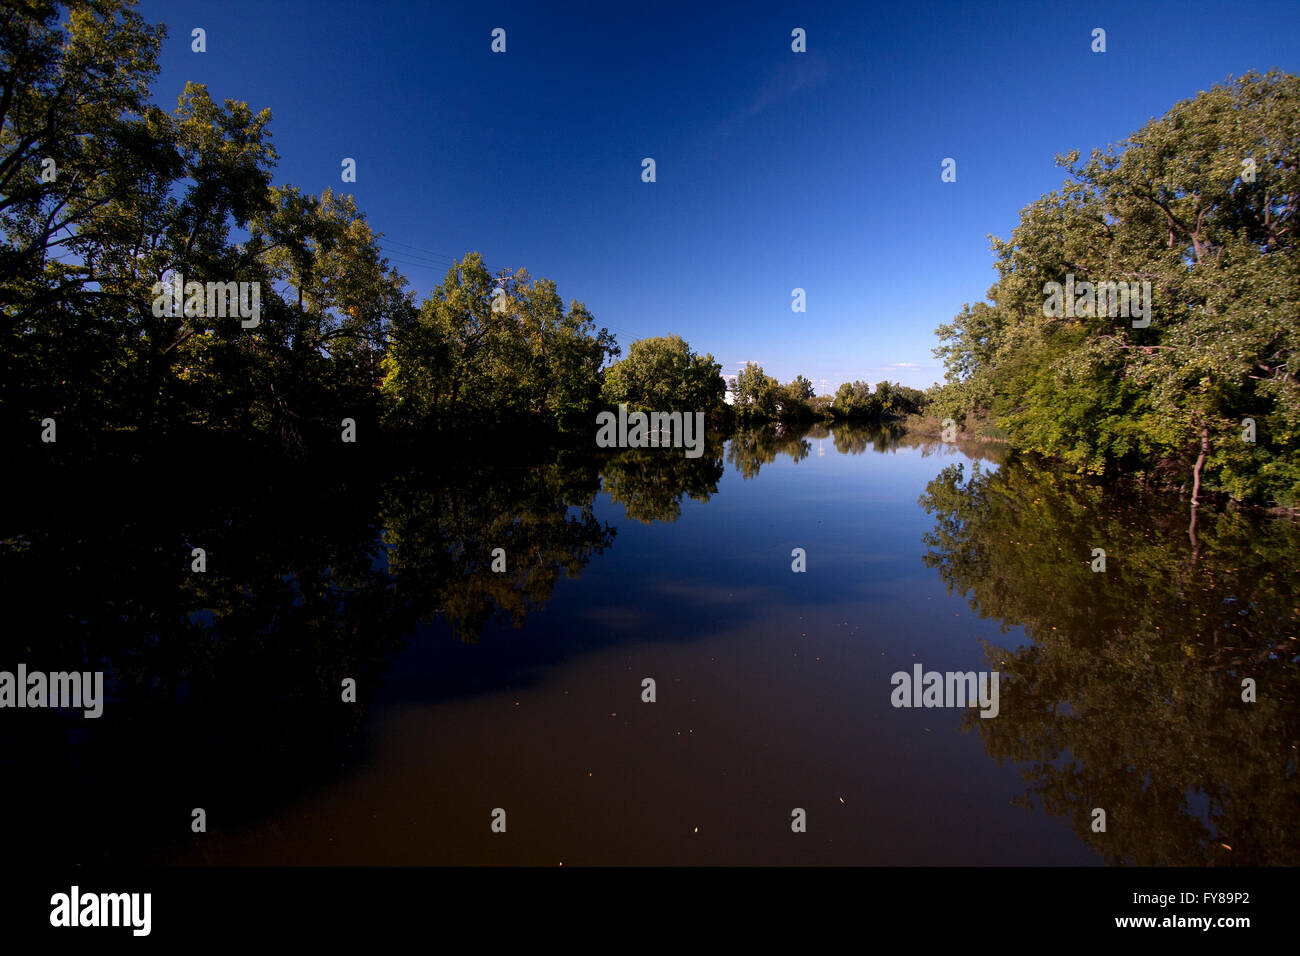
1201,205
1197,388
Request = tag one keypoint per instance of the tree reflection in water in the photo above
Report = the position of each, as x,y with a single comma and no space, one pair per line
1129,695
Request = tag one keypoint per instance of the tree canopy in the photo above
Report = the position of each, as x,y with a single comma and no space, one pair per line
1201,204
663,374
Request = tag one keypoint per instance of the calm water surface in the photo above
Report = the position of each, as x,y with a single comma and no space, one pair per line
522,690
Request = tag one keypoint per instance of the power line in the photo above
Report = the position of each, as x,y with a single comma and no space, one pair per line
412,257
402,257
430,252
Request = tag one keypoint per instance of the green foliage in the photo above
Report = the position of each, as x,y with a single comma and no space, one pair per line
1172,206
663,374
339,297
143,196
795,400
758,395
74,91
488,350
760,398
899,401
854,400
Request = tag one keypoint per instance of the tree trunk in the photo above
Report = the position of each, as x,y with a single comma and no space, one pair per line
1196,486
1200,462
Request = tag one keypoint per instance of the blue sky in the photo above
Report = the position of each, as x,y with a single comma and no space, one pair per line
775,170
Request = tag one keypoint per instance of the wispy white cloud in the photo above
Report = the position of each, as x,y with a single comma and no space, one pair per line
801,72
788,79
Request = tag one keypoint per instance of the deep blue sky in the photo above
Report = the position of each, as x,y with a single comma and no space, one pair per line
775,170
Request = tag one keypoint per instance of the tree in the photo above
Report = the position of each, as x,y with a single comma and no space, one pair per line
1201,204
663,374
899,401
136,199
73,90
757,393
854,400
70,93
163,208
794,400
568,355
484,349
341,297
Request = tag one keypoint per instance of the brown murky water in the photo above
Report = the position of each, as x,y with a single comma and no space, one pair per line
522,690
